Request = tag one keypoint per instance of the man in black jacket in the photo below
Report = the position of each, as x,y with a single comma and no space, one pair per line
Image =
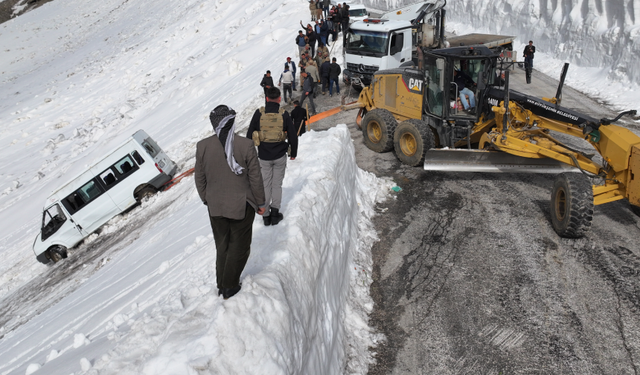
267,82
307,91
334,75
272,153
299,116
529,51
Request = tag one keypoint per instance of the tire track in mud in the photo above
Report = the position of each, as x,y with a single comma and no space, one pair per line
64,277
620,267
429,258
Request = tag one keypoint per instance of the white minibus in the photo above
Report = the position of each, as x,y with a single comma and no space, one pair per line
135,169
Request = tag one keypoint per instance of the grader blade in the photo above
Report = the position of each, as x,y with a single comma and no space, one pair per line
456,160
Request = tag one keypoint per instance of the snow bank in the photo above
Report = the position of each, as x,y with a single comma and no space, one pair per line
154,308
590,33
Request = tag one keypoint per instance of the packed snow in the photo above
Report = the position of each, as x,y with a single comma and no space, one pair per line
80,77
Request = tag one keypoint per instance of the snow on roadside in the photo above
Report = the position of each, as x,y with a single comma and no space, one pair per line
304,299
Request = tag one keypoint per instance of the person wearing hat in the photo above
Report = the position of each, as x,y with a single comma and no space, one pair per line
229,183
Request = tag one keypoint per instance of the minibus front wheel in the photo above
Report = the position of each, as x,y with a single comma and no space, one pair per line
57,253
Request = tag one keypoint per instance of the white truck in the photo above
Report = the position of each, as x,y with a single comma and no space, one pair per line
393,40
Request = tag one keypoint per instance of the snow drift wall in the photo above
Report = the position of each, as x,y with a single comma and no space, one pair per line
593,33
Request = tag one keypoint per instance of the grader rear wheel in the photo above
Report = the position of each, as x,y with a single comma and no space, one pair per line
411,140
571,205
378,127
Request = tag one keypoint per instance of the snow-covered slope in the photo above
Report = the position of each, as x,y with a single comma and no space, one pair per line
78,78
590,33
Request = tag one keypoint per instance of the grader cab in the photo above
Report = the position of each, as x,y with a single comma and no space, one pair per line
416,112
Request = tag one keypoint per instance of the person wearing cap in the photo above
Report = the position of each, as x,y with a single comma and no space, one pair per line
272,154
292,67
229,183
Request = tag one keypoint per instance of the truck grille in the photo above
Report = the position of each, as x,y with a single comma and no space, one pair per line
363,69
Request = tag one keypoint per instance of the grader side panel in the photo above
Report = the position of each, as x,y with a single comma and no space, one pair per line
634,176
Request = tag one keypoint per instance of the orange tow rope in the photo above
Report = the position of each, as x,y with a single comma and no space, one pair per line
177,179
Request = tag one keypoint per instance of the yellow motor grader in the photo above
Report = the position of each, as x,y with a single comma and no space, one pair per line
416,112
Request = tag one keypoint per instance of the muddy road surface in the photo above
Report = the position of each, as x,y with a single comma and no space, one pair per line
471,278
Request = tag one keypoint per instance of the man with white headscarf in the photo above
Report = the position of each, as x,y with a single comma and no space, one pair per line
229,182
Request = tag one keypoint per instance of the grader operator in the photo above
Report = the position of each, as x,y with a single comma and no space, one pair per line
414,111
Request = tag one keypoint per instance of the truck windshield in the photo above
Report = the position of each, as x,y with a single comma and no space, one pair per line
368,43
357,12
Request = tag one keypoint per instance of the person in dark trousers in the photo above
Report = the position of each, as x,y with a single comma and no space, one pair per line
345,22
229,183
529,51
325,8
286,80
312,37
299,116
307,91
325,74
300,42
292,67
334,75
274,128
267,82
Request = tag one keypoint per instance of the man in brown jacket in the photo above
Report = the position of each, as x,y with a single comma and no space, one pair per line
229,182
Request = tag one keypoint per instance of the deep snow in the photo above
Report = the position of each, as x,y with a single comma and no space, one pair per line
79,77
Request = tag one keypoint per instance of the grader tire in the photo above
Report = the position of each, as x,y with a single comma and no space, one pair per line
411,140
571,205
378,127
635,209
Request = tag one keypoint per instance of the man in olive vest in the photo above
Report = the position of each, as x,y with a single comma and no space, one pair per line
273,132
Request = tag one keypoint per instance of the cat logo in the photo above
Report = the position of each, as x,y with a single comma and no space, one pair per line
415,84
493,102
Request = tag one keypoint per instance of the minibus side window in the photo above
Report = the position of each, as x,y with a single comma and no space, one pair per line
79,198
52,220
138,157
125,166
108,178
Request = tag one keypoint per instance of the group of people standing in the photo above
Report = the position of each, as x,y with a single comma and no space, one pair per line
233,180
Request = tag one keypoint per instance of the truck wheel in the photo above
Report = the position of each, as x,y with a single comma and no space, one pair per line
411,140
378,127
571,205
145,193
57,253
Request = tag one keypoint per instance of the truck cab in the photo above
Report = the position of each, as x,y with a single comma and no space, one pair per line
375,44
